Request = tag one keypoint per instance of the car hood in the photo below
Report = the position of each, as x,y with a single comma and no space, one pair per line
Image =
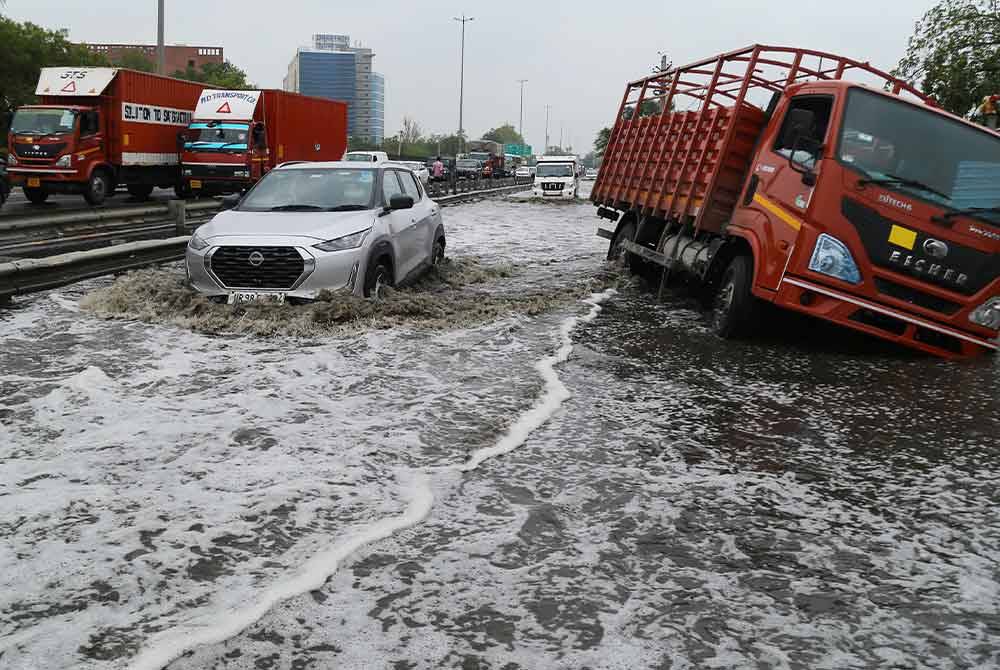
320,226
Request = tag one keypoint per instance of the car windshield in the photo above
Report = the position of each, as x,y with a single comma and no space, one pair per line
313,189
921,153
468,164
359,158
555,170
43,121
216,137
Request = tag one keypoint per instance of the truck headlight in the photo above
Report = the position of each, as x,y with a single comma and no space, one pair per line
11,159
832,257
64,161
196,243
186,172
987,314
352,241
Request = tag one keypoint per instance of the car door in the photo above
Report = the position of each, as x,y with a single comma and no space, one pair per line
402,226
424,210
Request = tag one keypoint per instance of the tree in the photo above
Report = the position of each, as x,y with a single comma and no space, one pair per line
134,59
601,141
504,134
954,53
220,75
25,48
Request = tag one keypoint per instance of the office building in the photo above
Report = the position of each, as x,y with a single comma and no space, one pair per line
177,57
332,68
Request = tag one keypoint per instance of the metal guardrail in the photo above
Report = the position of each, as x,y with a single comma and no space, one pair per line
437,189
19,276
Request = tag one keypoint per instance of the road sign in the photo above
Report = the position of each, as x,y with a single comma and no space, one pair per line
517,149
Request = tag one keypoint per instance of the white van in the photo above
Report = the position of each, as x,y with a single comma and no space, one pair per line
366,156
556,177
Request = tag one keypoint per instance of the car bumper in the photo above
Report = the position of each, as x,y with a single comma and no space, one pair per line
322,271
565,194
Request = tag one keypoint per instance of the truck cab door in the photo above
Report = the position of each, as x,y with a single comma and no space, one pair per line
258,150
91,134
779,188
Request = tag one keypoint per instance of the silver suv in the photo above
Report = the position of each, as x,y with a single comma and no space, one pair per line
309,227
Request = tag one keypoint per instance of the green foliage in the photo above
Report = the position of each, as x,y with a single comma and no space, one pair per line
218,75
601,141
504,134
134,59
954,53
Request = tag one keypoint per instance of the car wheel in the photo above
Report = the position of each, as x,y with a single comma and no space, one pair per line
437,254
736,310
377,279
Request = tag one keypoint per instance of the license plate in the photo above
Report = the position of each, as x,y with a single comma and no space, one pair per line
238,298
34,182
195,183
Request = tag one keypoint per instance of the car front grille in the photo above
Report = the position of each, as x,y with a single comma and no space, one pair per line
257,267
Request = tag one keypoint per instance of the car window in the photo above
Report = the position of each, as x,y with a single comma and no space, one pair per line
410,185
293,189
390,185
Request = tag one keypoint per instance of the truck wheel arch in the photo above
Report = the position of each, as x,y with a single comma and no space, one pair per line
738,243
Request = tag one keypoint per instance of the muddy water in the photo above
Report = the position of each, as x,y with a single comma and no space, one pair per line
594,484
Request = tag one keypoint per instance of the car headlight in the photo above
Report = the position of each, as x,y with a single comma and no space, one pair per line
352,241
832,257
987,314
186,172
196,243
11,159
64,161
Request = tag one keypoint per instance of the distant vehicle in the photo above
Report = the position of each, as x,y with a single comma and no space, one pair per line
556,177
236,137
419,169
366,156
96,128
468,168
4,182
446,163
491,155
312,227
590,174
523,172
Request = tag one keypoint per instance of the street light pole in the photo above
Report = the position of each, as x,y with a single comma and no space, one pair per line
461,82
545,149
520,123
161,64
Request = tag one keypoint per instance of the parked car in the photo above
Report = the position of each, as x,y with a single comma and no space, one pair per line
468,168
311,227
4,182
419,169
590,174
366,156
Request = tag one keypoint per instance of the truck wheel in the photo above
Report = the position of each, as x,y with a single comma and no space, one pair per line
97,188
736,310
140,191
37,195
183,191
617,252
377,279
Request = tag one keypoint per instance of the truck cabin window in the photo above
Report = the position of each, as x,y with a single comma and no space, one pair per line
555,170
816,110
90,123
219,137
43,122
920,153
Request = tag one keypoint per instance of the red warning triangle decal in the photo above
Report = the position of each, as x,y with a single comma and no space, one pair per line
224,109
69,88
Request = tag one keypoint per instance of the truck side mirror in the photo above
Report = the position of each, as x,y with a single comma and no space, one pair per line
259,136
813,148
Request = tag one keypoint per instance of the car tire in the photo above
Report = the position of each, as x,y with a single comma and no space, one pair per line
36,195
437,253
140,191
98,188
736,310
377,279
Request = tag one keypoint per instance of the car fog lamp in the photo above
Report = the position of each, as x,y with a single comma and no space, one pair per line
832,257
352,241
987,314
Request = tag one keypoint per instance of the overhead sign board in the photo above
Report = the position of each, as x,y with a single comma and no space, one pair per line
216,105
74,81
517,149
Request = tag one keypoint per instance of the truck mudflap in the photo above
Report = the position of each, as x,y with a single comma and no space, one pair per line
878,320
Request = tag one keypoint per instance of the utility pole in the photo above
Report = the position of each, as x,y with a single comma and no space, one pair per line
545,149
520,123
560,134
461,81
161,56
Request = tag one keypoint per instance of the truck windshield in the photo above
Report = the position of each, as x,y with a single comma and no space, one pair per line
217,137
318,189
554,170
921,153
43,121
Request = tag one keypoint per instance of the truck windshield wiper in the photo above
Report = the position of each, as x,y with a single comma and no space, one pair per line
347,208
903,181
297,208
948,216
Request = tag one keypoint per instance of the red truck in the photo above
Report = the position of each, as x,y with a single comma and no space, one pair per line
490,154
236,137
767,176
96,128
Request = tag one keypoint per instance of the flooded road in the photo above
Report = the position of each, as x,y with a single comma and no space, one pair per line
583,479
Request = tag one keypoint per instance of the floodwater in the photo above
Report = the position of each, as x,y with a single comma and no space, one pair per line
573,476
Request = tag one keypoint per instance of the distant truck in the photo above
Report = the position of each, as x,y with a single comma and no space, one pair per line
236,137
97,128
781,182
490,154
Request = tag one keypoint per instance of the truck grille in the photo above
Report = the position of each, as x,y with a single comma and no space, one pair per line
919,298
208,171
552,186
257,267
38,150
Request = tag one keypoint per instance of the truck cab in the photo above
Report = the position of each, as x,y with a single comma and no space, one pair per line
223,156
556,177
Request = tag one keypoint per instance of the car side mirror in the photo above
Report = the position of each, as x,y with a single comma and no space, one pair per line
400,201
231,201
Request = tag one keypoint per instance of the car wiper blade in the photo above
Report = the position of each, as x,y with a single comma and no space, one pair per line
903,181
297,208
347,208
970,211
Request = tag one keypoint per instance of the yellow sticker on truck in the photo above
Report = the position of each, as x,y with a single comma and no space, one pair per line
902,237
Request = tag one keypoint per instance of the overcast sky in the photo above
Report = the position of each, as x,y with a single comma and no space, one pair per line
576,56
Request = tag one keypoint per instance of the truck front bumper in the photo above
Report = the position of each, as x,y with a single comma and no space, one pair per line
879,320
215,186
